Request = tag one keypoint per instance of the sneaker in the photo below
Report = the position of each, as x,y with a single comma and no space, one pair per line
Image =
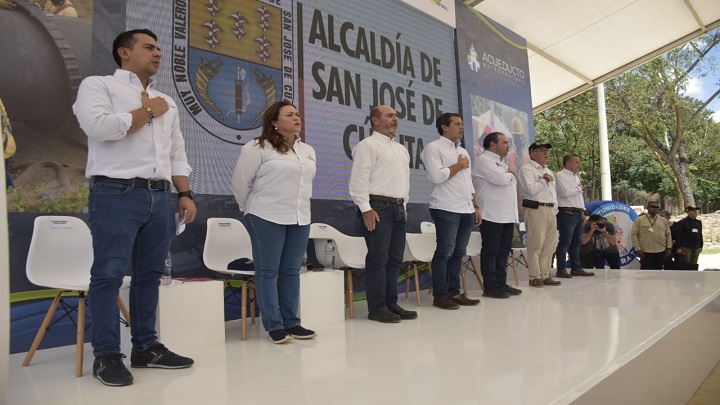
536,282
298,332
158,356
445,303
511,290
581,272
462,299
110,370
403,313
550,281
496,293
384,316
280,336
562,273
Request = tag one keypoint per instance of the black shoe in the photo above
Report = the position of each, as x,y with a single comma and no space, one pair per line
511,290
463,299
298,332
384,316
581,272
280,336
445,303
562,273
550,281
110,370
404,313
158,356
496,293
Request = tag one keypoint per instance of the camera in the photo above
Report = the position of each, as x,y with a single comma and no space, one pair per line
600,225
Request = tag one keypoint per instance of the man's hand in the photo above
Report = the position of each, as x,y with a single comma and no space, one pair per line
186,207
512,170
668,253
640,254
478,217
548,177
680,252
463,162
158,105
370,218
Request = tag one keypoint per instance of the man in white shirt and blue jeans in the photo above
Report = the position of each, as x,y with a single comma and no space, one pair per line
135,149
452,208
380,186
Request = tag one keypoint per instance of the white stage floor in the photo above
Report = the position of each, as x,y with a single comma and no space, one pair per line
545,346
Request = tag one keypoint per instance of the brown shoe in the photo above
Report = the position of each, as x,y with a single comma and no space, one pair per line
581,272
536,282
445,303
462,299
550,281
562,273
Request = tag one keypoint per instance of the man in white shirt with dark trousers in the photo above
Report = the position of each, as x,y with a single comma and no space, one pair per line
496,192
452,208
135,149
570,217
380,186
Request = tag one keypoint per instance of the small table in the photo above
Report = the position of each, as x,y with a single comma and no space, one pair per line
322,297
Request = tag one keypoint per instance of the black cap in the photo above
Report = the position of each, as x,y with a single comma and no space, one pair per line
691,208
539,144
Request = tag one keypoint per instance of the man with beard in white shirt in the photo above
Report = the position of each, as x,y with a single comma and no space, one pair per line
496,192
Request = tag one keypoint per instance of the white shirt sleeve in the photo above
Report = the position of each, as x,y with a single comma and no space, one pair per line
359,184
94,111
247,166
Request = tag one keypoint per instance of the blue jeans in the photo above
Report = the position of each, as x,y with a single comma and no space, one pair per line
496,246
277,252
570,227
386,247
129,226
452,233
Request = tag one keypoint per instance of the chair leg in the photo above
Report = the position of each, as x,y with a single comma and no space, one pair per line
43,328
477,274
350,295
462,278
243,311
513,263
522,255
124,311
80,334
429,267
407,280
252,304
417,283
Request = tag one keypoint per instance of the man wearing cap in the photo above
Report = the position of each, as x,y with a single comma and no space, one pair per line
688,238
538,185
571,205
496,192
651,238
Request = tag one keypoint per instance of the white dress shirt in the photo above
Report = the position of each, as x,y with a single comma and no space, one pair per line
569,189
275,186
155,151
381,166
453,194
495,189
535,187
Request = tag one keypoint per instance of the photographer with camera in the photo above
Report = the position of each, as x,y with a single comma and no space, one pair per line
599,235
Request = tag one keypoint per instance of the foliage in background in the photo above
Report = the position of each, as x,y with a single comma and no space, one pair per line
72,200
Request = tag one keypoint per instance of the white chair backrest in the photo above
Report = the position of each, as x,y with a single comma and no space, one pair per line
226,240
474,244
61,253
351,250
427,227
421,246
521,227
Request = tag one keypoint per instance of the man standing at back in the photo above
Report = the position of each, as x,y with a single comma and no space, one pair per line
651,238
452,207
380,186
570,216
496,192
135,149
540,201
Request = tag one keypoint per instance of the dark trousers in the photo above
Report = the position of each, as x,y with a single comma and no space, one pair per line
613,259
652,261
496,246
570,227
452,235
386,246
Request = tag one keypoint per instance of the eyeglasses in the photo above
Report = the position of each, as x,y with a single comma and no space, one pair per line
653,206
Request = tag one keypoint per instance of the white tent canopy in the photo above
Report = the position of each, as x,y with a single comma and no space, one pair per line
574,45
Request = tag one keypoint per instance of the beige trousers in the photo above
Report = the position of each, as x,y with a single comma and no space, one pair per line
542,239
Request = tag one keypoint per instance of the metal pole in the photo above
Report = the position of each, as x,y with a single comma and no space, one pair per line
605,180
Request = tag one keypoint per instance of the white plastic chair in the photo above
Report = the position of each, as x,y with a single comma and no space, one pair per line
517,255
351,252
427,227
227,240
474,248
420,247
60,256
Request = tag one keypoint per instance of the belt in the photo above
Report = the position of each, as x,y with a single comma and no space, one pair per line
545,204
156,185
386,199
571,209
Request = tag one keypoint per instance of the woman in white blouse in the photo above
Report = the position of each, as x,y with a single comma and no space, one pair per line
272,184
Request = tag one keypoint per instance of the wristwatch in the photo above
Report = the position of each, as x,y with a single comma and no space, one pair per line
189,194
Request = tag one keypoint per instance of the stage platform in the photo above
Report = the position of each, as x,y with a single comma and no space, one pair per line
620,337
